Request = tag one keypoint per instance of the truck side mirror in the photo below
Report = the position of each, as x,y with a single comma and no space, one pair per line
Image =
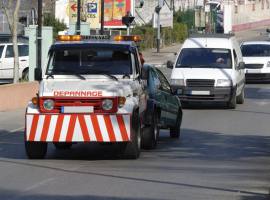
38,74
169,64
145,72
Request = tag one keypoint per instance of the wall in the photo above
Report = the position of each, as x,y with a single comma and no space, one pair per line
250,15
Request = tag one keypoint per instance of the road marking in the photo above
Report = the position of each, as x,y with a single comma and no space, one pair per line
17,129
37,185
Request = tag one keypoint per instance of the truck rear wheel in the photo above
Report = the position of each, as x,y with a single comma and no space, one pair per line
36,150
132,149
151,133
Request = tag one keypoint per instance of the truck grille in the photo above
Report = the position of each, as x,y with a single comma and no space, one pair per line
200,82
254,66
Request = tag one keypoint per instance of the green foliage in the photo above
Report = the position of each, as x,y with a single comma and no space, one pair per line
57,25
168,35
187,17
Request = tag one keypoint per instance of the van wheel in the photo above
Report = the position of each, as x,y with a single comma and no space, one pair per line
241,98
150,133
62,145
36,150
25,75
175,131
132,149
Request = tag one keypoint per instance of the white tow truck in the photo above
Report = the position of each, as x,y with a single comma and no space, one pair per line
91,91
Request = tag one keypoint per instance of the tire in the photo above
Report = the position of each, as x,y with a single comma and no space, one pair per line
36,150
62,145
132,149
150,134
25,75
241,98
175,131
232,102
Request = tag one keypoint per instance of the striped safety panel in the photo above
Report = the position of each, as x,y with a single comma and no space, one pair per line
78,128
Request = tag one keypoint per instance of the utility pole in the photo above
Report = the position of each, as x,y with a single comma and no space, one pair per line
39,35
102,18
157,10
78,24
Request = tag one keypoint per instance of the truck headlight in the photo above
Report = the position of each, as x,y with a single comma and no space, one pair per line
224,82
48,104
107,104
178,82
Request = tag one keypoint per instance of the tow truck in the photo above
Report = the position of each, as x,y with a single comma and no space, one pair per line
92,91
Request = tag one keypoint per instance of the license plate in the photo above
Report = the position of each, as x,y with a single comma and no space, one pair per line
77,109
193,92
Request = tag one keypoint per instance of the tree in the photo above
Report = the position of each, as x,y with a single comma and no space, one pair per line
11,11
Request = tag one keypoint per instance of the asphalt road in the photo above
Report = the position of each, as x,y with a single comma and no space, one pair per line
222,155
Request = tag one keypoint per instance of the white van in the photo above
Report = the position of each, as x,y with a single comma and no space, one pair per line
209,68
7,62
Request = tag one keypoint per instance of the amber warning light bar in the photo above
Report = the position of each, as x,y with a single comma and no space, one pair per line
135,38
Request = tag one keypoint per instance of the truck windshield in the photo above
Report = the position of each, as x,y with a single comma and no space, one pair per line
204,58
256,50
90,61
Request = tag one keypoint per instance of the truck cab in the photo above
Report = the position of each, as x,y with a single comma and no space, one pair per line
91,91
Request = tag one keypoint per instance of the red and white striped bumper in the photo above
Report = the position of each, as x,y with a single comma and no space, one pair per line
78,128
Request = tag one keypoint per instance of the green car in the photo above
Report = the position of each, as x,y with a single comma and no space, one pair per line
164,108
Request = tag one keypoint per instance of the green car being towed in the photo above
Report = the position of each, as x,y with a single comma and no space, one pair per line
163,107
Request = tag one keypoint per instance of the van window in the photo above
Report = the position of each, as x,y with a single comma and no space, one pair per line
1,51
23,51
204,58
9,51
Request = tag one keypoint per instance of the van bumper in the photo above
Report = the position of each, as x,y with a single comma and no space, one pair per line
198,94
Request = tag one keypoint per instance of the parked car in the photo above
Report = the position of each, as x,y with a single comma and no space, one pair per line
7,62
209,68
163,106
256,55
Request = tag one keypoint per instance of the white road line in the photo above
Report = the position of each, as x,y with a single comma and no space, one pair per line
17,129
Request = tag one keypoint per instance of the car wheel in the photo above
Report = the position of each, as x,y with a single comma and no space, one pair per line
150,133
241,98
175,131
36,150
232,102
62,145
132,149
25,75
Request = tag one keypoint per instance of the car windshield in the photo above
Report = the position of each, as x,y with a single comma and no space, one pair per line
256,50
204,58
90,61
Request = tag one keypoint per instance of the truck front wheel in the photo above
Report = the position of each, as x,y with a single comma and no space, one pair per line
36,150
132,149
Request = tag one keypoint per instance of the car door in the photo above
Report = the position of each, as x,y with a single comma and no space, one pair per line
157,94
23,56
8,63
1,59
171,101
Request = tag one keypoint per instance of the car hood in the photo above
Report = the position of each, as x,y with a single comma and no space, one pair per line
201,73
256,60
85,88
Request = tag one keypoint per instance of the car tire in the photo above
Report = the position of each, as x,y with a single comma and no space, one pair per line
62,145
25,75
241,98
150,133
132,149
232,102
36,150
175,131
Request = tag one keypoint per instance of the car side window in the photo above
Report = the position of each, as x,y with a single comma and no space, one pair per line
23,50
155,80
235,58
164,83
9,52
1,51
